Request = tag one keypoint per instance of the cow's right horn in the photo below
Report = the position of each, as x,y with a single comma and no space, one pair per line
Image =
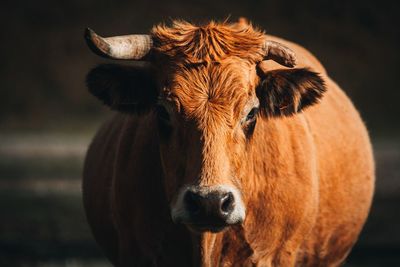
134,47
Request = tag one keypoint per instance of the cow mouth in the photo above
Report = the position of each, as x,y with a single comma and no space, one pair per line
201,228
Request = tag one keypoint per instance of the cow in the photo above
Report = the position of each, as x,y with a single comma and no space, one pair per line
229,147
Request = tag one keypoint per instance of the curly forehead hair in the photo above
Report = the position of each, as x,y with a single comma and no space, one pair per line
191,44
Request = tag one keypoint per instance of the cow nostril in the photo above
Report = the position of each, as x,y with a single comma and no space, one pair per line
210,206
227,203
192,202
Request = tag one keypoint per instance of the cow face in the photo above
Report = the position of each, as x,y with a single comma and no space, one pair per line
206,106
206,117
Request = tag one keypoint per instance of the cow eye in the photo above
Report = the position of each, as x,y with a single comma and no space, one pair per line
250,122
164,122
252,114
162,114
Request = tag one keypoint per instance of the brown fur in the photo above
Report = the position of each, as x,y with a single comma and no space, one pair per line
306,179
210,43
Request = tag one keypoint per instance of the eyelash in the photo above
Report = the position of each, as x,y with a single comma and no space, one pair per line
252,114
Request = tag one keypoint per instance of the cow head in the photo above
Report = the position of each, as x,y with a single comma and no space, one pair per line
204,89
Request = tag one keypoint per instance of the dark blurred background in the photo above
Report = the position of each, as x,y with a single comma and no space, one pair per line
47,118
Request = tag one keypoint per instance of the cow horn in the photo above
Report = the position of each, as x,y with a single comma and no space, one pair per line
135,46
279,53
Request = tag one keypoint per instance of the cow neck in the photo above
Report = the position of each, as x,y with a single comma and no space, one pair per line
211,249
205,247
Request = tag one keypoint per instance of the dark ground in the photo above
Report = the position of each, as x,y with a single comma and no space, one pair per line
43,222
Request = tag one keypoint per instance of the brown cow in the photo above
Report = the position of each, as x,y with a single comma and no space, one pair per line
220,156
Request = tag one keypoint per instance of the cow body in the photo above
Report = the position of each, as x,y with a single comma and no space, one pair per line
307,191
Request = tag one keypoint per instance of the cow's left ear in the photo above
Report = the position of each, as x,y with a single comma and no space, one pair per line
285,92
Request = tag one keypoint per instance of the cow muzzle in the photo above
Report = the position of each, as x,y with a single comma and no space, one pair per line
208,208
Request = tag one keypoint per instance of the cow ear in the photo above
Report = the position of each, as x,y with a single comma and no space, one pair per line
126,89
285,92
